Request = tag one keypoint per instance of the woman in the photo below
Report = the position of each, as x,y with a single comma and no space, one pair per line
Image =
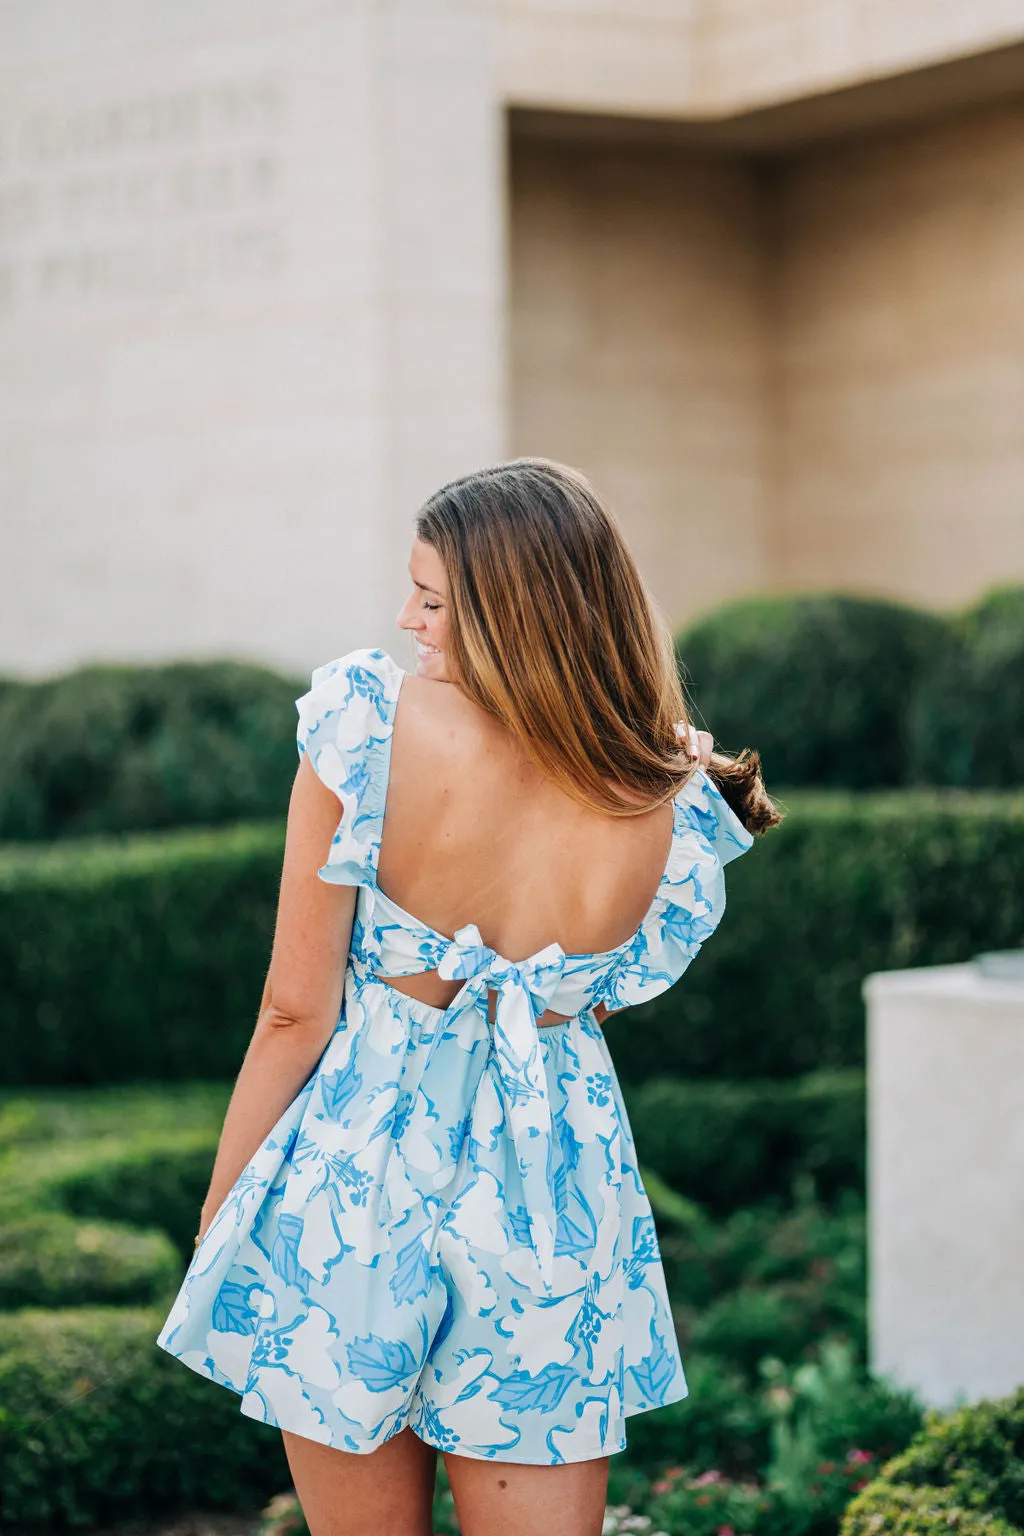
425,1228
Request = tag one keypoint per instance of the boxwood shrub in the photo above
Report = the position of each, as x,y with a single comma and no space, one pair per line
849,884
119,748
144,958
967,722
136,958
969,1463
51,1260
97,1424
146,1181
819,684
733,1143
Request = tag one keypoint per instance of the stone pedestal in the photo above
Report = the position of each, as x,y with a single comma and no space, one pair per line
946,1181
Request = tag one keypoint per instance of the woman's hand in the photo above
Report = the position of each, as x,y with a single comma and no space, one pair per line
699,744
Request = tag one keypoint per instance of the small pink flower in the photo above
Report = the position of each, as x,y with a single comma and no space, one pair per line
674,1472
826,1466
703,1498
705,1478
860,1456
663,1485
725,1530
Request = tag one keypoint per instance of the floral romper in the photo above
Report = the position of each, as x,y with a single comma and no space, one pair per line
447,1228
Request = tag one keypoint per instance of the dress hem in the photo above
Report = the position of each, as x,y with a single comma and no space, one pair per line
366,1449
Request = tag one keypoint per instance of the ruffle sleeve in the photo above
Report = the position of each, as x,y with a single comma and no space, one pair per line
690,900
344,727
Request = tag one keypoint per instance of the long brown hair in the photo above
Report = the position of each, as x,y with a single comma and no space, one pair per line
553,632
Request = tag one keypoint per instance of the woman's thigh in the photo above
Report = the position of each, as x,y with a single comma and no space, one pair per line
522,1500
389,1490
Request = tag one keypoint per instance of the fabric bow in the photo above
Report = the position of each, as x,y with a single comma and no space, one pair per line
524,989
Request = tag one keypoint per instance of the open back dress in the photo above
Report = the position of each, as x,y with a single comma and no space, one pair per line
447,1228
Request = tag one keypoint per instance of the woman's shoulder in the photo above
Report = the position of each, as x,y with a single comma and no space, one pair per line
367,672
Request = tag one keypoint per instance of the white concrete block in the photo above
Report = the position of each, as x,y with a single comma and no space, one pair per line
946,1181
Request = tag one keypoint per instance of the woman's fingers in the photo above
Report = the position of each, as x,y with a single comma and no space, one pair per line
699,744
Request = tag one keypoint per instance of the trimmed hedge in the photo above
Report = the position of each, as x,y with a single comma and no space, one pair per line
723,1144
144,958
98,1424
819,684
136,958
31,1120
734,1143
125,748
970,1461
51,1260
154,1181
848,885
967,724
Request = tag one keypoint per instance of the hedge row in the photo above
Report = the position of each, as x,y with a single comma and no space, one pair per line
846,886
51,1260
834,690
118,748
724,1145
149,1181
145,958
98,1424
136,958
856,693
729,1144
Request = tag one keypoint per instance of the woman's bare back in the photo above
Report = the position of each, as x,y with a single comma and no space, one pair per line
474,832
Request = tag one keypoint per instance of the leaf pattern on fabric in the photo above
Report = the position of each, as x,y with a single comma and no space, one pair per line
231,1311
381,1363
447,1227
542,1392
410,1277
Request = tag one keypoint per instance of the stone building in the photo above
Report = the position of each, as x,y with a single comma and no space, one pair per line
271,271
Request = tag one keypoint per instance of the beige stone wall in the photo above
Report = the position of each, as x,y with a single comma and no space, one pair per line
900,344
637,350
706,59
806,374
251,312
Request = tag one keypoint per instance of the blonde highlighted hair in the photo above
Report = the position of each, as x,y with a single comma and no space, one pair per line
553,632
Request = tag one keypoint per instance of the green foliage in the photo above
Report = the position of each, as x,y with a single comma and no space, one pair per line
51,1260
963,1472
768,1282
977,1451
882,1510
831,1425
819,684
98,1424
31,1120
849,884
967,724
723,1423
818,1432
157,1180
144,958
735,1143
134,959
126,748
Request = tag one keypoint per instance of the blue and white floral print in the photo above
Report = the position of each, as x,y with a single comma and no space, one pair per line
446,1228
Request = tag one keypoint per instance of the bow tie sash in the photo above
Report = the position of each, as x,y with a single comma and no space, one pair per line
524,990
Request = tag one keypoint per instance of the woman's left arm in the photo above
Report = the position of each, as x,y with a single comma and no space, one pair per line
304,988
